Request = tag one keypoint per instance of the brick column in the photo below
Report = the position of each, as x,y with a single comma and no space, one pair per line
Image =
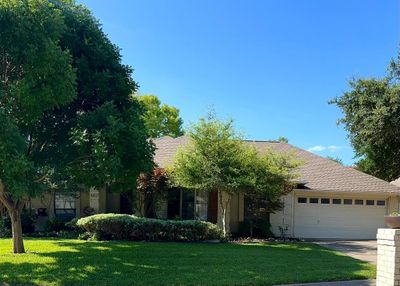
388,260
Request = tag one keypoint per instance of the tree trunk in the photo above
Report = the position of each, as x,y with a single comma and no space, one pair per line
224,208
224,221
14,209
18,243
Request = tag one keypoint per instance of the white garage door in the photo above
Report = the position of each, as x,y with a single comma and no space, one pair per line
338,218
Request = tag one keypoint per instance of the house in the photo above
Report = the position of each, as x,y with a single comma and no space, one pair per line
330,201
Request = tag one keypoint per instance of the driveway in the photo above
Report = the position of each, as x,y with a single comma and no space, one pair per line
360,249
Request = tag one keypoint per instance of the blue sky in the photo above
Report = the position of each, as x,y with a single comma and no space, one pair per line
270,65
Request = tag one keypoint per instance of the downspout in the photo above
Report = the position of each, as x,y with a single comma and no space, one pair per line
180,203
293,208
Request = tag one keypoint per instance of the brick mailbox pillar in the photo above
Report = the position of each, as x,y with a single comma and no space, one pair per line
388,260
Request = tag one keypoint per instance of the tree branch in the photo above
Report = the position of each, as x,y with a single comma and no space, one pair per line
4,198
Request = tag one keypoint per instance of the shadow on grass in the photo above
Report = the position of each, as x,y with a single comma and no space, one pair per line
71,262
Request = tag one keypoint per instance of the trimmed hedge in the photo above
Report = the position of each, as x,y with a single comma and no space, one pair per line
128,227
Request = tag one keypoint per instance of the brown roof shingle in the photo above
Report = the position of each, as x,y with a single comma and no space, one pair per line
318,173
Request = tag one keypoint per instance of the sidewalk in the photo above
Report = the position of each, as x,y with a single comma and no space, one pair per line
338,283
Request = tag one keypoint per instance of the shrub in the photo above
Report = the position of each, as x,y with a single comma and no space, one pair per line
55,224
5,227
255,228
128,227
27,222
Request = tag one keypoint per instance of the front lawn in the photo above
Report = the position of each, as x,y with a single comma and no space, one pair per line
75,262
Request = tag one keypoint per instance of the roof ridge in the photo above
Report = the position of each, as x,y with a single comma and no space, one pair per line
268,141
348,168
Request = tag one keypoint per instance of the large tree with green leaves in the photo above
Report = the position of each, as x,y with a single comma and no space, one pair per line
371,112
66,114
217,159
160,119
270,176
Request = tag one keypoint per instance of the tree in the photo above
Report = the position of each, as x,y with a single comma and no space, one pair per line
63,132
283,139
217,159
36,76
335,159
160,120
154,188
371,112
270,176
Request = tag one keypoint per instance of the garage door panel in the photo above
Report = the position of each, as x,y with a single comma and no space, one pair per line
338,221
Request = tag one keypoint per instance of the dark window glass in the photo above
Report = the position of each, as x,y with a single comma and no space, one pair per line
325,201
336,201
380,203
187,204
348,201
302,200
358,202
64,206
313,201
370,202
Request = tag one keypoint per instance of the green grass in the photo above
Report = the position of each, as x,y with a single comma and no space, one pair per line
75,262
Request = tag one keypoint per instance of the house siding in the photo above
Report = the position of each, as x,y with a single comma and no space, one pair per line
284,217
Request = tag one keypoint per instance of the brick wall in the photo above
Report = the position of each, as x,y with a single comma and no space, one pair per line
388,260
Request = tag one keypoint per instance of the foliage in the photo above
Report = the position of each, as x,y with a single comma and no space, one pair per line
217,159
255,228
372,119
160,120
283,139
128,227
59,229
5,227
57,262
270,175
55,224
212,161
27,222
35,76
335,159
65,105
153,186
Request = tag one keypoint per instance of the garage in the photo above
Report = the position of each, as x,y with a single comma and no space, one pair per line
338,217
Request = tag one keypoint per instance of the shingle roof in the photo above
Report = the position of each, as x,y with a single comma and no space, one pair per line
396,182
318,173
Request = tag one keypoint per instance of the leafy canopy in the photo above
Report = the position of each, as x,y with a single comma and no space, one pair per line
213,159
160,120
66,111
36,76
371,112
218,159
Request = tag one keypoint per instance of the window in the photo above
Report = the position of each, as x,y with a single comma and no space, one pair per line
348,201
336,201
64,206
370,202
313,200
302,200
359,202
325,201
380,203
201,205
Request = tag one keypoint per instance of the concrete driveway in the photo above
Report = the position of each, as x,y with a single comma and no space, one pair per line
360,249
